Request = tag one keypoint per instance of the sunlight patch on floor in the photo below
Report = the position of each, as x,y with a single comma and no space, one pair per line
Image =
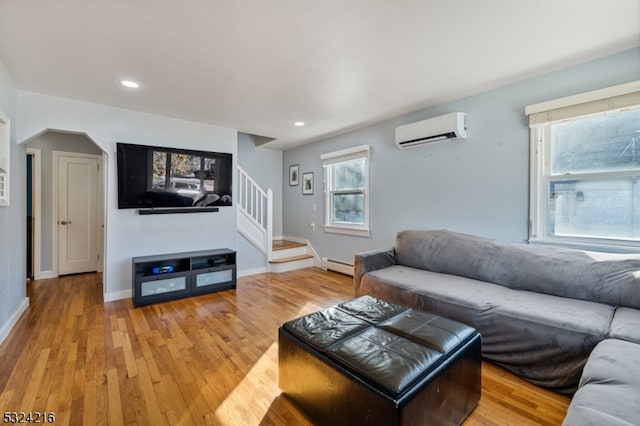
251,390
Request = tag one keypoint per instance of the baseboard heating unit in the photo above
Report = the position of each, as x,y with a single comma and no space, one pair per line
337,266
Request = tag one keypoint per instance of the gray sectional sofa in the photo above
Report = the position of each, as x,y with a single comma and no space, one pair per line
559,318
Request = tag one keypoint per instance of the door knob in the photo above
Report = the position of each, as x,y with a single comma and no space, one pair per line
64,222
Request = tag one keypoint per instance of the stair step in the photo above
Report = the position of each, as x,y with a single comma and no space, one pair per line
291,258
284,244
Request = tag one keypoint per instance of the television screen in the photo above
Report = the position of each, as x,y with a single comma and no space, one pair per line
156,177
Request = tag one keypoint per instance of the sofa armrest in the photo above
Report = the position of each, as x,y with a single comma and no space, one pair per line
370,261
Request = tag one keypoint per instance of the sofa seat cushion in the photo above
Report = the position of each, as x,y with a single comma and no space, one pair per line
626,325
609,390
485,297
545,339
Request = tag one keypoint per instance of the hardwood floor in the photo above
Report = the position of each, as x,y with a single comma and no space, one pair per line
209,359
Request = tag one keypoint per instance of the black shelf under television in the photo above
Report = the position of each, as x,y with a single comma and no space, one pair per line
159,278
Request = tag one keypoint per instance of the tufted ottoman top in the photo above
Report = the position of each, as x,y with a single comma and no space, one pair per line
389,346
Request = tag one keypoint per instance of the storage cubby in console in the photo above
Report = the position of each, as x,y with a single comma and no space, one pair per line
171,276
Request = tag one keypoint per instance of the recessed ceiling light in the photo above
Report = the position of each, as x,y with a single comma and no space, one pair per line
298,123
130,84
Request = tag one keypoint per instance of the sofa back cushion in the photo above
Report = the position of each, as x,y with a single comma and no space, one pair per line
550,270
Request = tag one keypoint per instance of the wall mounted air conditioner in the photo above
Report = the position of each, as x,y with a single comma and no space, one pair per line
446,127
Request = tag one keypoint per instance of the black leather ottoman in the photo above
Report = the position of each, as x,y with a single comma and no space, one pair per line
371,362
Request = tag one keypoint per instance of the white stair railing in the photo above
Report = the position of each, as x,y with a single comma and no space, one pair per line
255,218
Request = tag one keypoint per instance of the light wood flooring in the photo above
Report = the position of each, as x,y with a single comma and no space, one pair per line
210,359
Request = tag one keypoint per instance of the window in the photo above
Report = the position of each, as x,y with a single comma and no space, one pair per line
346,175
585,169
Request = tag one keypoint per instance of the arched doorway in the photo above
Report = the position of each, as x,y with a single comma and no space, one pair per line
68,179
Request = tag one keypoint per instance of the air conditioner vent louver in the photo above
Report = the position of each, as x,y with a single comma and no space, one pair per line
4,201
446,127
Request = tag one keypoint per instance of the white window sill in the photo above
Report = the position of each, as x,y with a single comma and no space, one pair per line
348,230
608,246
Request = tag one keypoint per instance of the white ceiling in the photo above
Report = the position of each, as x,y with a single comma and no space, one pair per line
258,65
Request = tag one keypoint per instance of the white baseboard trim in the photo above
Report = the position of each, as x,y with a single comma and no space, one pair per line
45,275
13,319
336,265
118,295
253,271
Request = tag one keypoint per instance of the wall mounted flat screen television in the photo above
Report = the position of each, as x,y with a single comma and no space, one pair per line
173,179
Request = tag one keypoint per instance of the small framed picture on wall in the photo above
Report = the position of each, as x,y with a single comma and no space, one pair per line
307,183
294,173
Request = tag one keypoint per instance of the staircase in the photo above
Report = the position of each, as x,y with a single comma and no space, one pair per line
255,223
290,255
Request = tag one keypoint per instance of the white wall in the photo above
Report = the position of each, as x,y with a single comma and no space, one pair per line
127,233
479,185
13,290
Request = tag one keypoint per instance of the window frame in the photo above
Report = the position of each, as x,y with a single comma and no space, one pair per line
328,161
542,116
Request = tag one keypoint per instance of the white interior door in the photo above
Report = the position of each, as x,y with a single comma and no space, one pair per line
77,214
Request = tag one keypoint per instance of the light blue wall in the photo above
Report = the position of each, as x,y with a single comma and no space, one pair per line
479,185
263,165
12,219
